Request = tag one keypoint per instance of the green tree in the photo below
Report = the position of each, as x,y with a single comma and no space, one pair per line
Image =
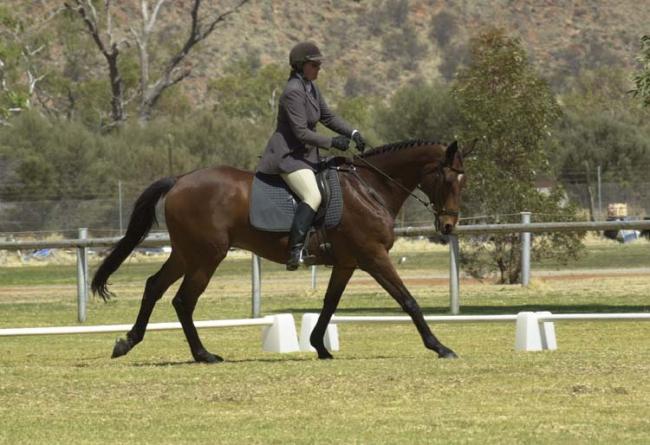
154,77
443,28
403,45
361,112
25,44
45,65
49,163
420,111
511,111
10,96
642,78
601,127
248,91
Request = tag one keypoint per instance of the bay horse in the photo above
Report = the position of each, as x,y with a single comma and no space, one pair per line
207,213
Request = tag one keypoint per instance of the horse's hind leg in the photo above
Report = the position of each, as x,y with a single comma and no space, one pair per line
154,289
338,280
193,285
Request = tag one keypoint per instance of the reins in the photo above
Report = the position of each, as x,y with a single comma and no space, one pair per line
430,206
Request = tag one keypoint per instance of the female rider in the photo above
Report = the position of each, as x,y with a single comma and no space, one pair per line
292,149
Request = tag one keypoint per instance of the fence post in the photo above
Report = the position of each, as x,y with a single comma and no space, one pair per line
119,205
454,282
82,277
313,277
600,195
256,266
525,251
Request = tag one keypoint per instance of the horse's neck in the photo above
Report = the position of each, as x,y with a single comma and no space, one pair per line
405,169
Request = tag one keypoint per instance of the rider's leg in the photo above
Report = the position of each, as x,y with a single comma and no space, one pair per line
303,183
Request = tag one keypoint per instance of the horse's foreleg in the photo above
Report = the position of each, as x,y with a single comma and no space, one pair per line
155,287
382,270
185,301
338,280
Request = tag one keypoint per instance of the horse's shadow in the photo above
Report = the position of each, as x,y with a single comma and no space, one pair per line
306,357
164,364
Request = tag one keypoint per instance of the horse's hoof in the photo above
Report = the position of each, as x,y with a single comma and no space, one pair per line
325,355
122,347
207,357
447,354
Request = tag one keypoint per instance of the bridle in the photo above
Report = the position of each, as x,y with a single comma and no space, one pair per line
437,210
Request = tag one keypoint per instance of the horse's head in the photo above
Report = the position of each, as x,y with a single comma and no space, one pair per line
442,182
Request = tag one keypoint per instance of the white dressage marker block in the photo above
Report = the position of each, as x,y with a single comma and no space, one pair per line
531,334
527,335
307,325
547,331
281,335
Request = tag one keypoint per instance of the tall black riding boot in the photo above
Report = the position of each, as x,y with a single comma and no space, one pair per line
299,228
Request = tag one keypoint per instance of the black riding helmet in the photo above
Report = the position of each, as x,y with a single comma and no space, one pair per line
304,52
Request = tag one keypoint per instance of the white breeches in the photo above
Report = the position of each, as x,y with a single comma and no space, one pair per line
303,183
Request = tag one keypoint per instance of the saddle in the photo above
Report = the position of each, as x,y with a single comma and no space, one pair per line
273,204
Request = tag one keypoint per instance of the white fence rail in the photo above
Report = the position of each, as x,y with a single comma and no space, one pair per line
534,331
278,334
525,228
82,244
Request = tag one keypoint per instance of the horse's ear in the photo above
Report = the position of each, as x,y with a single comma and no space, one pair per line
451,153
469,150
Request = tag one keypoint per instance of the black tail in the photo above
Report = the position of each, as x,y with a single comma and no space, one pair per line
142,218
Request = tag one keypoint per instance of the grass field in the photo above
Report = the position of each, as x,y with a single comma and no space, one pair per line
383,386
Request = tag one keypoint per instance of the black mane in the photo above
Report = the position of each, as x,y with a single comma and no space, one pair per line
395,146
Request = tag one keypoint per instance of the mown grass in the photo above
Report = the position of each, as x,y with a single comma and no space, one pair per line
382,387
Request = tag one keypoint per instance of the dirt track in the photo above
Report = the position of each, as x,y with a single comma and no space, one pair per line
299,281
568,275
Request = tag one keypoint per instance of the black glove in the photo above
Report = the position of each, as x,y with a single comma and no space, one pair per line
340,142
358,139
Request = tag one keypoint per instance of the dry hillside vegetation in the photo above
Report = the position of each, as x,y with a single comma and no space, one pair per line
374,46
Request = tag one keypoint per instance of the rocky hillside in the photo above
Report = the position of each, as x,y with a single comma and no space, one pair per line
376,45
382,43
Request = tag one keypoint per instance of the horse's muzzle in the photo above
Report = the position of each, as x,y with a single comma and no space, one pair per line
445,223
447,229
